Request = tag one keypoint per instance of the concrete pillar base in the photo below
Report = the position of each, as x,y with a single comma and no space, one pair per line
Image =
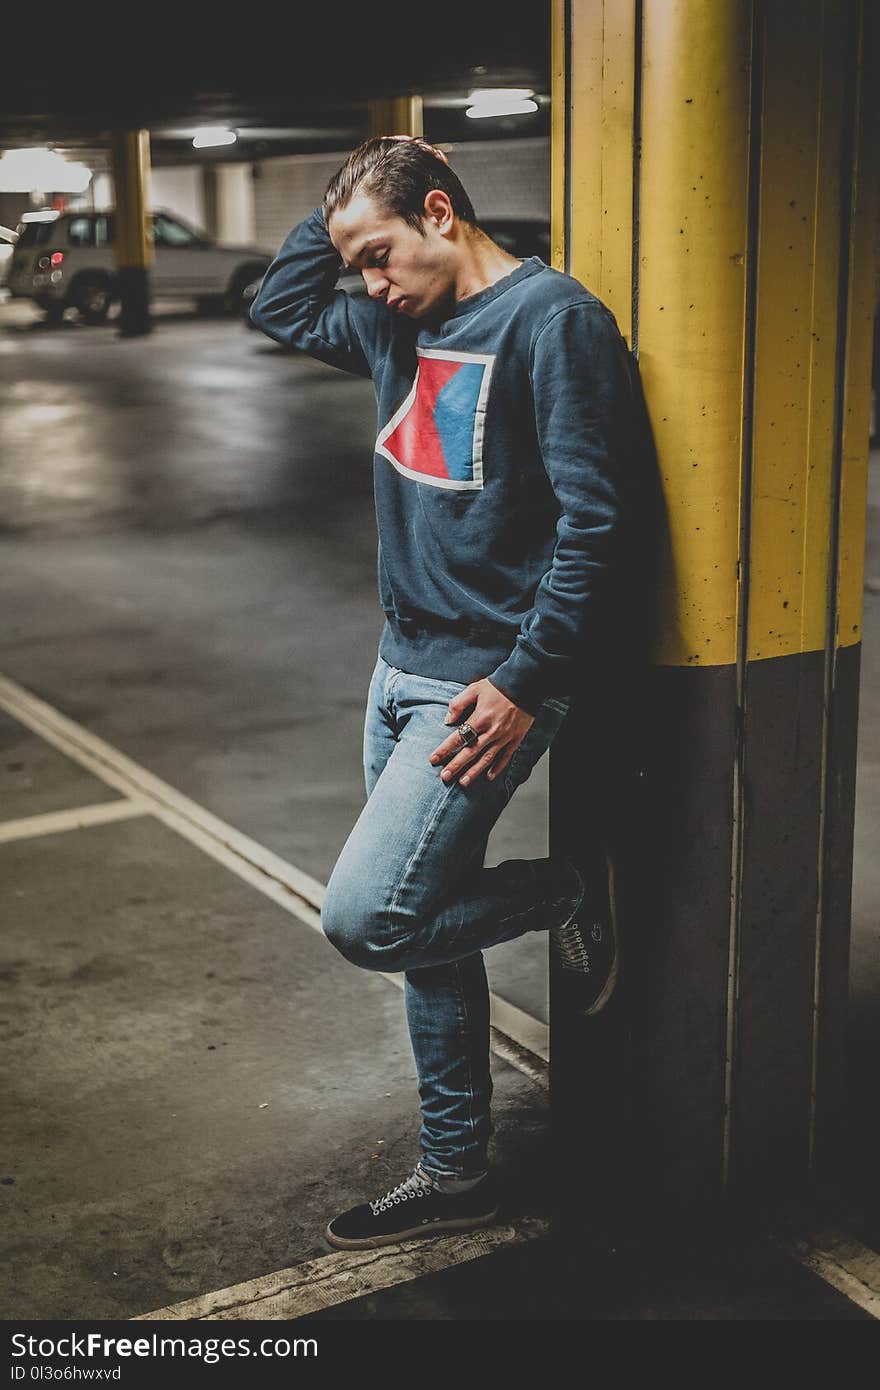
134,293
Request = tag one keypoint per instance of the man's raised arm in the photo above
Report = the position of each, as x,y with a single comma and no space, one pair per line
299,305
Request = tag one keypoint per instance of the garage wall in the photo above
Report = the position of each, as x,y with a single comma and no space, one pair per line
177,190
235,205
505,178
509,178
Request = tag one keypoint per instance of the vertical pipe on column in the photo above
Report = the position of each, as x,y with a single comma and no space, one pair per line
859,196
753,205
638,59
560,135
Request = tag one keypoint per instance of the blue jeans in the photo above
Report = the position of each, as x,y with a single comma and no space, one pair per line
409,892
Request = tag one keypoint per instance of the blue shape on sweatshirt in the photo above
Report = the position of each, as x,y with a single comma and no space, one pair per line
455,415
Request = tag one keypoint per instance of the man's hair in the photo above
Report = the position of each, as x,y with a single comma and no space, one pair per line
398,175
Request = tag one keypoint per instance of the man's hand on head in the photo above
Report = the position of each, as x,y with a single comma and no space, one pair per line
500,724
417,139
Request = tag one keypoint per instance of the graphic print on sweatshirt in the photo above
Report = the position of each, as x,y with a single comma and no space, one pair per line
436,436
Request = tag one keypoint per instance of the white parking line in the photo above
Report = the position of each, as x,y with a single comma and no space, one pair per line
522,1041
51,822
847,1265
347,1274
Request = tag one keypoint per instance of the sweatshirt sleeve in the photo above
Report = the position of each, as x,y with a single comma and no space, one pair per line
299,305
582,390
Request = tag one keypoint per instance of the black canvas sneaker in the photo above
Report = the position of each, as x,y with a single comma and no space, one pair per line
586,947
415,1207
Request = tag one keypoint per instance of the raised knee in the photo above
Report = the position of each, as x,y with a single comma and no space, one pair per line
352,928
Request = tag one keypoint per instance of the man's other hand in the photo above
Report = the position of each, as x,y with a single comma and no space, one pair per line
501,726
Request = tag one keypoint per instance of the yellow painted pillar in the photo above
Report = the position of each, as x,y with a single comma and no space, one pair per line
132,241
715,182
396,116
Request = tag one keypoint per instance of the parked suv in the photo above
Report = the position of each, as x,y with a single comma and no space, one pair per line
64,260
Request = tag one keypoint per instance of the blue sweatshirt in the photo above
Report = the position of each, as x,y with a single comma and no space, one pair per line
508,448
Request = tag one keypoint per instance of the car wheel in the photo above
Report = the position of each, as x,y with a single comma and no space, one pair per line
54,312
249,294
238,301
92,296
211,305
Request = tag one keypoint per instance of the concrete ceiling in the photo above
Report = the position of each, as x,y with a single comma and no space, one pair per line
298,80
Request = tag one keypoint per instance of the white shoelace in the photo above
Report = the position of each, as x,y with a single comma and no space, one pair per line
413,1186
572,948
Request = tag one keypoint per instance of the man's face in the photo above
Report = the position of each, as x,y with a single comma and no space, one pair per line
412,274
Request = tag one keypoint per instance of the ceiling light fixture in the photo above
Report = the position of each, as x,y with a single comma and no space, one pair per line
500,101
208,135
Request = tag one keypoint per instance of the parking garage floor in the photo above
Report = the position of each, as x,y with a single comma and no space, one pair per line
198,1081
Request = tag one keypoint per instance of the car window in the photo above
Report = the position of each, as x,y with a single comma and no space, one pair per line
36,233
80,232
526,237
167,232
104,230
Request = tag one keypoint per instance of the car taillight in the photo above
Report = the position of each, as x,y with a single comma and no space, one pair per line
57,257
50,260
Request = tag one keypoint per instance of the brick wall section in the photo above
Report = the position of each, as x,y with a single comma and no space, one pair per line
505,178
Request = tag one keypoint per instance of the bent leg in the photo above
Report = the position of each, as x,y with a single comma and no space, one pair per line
406,891
409,892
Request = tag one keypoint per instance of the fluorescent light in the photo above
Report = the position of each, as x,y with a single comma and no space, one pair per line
501,108
208,135
500,101
41,171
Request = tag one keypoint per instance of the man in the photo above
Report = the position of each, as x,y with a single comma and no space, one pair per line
503,475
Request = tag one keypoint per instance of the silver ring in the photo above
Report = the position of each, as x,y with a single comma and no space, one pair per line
468,735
